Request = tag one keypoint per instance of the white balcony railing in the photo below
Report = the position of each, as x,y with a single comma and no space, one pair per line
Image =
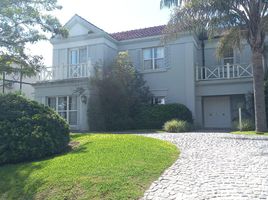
229,71
64,72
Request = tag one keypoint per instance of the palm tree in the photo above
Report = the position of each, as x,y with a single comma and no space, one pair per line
234,20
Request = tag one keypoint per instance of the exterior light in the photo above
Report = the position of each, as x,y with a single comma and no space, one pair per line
84,99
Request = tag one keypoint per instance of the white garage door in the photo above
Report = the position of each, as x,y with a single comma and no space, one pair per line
217,112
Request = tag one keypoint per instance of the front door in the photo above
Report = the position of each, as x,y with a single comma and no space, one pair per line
217,112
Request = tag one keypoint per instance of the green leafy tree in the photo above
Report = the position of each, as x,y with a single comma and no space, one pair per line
117,93
233,20
25,22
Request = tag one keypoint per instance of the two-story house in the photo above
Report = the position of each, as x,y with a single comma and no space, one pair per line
180,71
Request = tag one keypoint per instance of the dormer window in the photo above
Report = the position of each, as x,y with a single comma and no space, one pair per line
153,58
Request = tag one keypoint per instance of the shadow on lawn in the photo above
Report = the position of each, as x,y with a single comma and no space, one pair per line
15,179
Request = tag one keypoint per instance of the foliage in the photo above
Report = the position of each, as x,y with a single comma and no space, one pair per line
99,167
25,22
29,130
246,125
117,93
176,126
154,116
233,21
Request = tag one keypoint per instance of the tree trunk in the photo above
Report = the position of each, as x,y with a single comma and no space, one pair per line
258,86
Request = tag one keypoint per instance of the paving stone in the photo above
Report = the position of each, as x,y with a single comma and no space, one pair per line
214,166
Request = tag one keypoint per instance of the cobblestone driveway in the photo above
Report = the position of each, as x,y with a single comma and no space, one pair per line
214,166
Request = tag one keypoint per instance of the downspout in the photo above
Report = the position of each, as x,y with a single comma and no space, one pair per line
21,80
203,52
203,57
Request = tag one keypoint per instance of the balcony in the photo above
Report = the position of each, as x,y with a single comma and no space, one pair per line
64,72
224,72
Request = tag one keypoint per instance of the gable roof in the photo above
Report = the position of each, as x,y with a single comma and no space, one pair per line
119,36
139,33
84,22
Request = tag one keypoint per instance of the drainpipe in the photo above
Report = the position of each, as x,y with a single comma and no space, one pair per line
21,75
203,52
3,89
203,57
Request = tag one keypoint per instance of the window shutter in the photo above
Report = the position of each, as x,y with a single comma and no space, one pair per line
167,56
139,59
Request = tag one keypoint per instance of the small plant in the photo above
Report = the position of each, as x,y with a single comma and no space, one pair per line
161,114
175,126
246,125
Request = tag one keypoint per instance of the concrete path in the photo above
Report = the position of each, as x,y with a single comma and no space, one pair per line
214,166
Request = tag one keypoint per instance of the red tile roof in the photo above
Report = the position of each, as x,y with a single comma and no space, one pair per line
138,33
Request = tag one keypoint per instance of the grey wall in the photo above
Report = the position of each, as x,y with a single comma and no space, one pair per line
177,80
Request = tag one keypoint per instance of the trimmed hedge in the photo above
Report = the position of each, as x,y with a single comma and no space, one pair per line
154,116
29,130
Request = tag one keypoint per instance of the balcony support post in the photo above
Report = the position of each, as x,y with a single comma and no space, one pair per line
228,70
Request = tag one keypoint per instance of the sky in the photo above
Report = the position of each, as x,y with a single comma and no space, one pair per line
110,15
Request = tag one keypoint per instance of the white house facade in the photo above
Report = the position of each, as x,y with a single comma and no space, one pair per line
180,71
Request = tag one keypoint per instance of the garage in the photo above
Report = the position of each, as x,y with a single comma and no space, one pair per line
217,112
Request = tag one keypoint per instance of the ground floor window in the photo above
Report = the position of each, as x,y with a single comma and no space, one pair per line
66,106
158,100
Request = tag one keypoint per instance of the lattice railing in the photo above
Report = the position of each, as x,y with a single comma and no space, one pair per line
229,71
65,72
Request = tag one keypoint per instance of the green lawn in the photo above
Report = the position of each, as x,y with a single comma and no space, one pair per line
102,166
248,133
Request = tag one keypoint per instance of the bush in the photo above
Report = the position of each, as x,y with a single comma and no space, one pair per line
29,130
116,96
247,125
176,126
154,116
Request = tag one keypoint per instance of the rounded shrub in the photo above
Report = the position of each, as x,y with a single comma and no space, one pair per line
154,116
176,126
29,130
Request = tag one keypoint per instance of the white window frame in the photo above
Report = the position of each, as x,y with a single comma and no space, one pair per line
153,58
67,110
228,58
78,55
155,100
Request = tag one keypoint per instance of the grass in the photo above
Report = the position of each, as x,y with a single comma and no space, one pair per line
102,166
248,133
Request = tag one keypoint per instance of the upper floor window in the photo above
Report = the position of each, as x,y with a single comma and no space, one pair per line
153,58
78,56
228,57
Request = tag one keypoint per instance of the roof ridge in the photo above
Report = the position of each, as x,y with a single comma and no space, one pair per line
138,29
138,33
